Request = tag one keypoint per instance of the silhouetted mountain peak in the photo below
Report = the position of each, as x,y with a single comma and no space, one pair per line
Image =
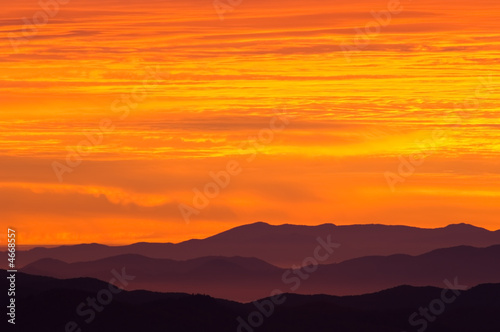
45,264
464,227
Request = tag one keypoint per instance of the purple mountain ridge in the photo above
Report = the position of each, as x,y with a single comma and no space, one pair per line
284,245
247,279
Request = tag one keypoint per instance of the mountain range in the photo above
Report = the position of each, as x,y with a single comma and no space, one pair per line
284,245
47,305
247,279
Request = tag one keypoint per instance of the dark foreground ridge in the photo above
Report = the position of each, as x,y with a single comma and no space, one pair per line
48,304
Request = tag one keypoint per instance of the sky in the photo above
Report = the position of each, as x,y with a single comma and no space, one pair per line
161,121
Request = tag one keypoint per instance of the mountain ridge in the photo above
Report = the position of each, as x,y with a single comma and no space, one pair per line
385,311
285,245
242,278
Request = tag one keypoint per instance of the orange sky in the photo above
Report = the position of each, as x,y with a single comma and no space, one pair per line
431,71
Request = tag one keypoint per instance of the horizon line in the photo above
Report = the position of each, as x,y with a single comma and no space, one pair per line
33,246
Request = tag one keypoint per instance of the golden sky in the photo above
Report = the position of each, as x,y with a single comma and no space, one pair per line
188,91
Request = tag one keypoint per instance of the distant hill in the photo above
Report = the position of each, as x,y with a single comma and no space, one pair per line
285,245
47,305
246,279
